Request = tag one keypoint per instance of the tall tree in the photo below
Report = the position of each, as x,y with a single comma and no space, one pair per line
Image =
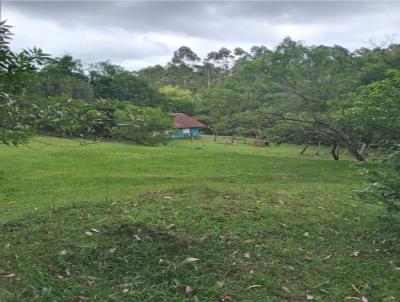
114,82
176,99
182,66
62,77
259,51
301,80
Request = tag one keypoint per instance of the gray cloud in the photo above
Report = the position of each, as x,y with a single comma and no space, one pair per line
137,34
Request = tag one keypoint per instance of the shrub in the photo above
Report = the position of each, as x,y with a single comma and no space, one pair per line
384,183
141,125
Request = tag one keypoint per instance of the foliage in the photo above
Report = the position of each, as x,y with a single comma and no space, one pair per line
374,63
72,118
312,94
114,82
295,133
177,100
297,93
71,87
301,91
15,69
142,125
22,115
373,111
68,118
65,66
300,82
216,107
384,183
62,77
13,129
101,118
48,101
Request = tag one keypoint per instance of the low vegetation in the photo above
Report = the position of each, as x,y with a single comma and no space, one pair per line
117,222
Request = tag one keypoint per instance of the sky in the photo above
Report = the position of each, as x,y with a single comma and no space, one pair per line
136,34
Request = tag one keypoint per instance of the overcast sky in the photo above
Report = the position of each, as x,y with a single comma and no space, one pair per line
137,34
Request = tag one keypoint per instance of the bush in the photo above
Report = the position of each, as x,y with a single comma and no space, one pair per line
71,118
141,125
384,183
13,129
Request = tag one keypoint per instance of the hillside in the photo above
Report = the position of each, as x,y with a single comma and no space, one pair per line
189,221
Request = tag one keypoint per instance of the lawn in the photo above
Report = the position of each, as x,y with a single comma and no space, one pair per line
189,221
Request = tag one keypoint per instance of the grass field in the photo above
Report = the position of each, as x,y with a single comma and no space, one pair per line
190,221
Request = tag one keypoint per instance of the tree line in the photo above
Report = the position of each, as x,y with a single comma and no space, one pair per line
294,93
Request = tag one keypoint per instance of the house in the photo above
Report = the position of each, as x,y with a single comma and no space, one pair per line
186,126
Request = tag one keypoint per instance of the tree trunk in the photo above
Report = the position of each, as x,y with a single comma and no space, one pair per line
362,149
233,139
215,137
304,149
334,150
319,149
244,141
357,154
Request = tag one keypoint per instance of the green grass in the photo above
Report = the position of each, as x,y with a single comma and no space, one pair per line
115,222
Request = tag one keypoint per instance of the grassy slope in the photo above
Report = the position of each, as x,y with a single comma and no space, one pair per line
44,176
252,216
